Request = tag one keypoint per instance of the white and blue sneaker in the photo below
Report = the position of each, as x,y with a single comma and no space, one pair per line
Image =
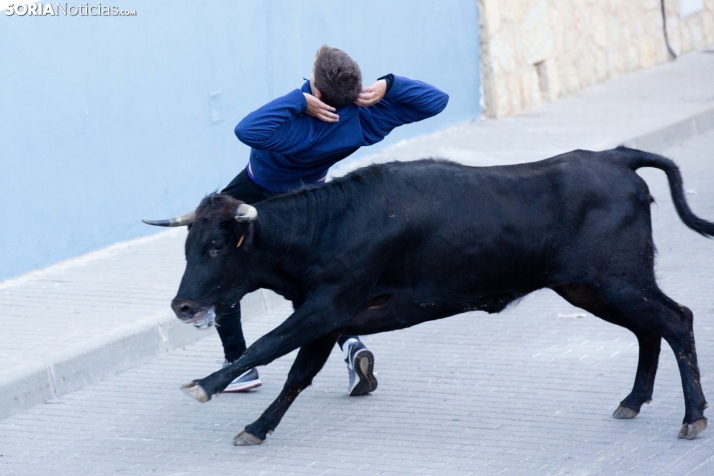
245,381
360,367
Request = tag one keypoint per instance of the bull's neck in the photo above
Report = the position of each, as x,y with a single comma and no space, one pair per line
284,242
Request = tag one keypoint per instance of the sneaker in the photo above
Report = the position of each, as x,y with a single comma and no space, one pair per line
360,367
245,381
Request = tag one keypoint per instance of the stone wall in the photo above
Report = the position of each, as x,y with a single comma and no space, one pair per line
534,51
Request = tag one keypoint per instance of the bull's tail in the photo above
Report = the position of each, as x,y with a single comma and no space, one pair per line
637,158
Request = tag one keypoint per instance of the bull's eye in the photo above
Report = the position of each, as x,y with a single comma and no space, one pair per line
215,249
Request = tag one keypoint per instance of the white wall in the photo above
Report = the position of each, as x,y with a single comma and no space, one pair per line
105,120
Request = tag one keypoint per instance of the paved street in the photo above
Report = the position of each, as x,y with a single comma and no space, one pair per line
528,391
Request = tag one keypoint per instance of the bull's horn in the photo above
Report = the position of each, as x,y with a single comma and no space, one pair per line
181,220
245,213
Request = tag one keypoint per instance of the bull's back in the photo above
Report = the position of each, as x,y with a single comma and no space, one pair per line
489,228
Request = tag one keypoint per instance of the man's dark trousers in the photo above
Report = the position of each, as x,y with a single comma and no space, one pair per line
230,329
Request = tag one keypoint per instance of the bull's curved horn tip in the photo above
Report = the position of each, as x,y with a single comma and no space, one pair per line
155,222
181,220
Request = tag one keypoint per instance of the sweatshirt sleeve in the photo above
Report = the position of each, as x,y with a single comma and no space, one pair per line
279,126
406,101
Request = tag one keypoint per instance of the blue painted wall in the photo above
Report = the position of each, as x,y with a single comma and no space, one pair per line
104,121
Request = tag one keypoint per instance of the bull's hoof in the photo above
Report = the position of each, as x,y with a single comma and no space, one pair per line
246,439
624,413
196,391
691,430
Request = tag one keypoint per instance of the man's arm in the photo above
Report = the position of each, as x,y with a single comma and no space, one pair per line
406,101
277,125
281,125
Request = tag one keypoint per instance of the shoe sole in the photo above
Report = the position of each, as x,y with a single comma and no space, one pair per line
243,387
364,368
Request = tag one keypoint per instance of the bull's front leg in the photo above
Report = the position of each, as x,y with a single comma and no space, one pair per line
308,363
309,323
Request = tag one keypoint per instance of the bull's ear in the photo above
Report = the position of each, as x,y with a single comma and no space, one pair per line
246,213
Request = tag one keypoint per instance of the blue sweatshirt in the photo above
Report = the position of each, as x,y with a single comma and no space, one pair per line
290,148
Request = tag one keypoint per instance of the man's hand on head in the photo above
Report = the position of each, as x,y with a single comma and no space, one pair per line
371,95
319,109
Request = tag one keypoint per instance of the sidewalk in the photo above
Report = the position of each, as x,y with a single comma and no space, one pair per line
82,321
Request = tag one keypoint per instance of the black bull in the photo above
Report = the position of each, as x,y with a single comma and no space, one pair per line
394,245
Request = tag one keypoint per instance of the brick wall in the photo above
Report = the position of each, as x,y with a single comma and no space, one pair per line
538,50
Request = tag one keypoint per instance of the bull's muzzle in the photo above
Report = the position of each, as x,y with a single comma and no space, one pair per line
184,309
202,317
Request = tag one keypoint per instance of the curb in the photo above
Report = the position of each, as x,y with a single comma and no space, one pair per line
662,139
127,347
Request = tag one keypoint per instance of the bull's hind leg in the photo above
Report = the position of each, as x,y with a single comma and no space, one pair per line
645,377
586,298
307,364
651,310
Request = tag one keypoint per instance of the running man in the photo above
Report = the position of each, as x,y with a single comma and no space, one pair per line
295,139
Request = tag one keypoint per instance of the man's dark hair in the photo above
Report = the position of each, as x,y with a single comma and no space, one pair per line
337,76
